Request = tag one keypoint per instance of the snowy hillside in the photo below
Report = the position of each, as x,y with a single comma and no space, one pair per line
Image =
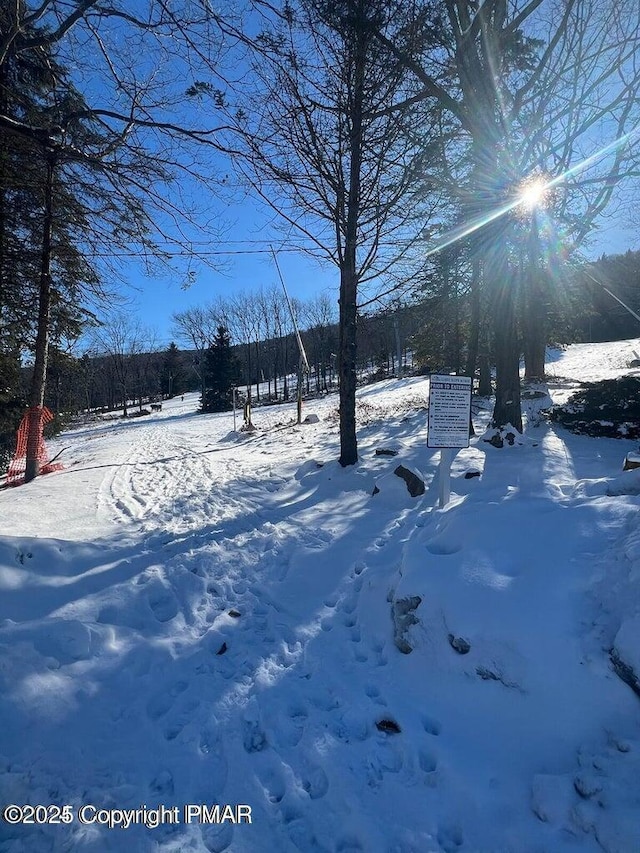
195,616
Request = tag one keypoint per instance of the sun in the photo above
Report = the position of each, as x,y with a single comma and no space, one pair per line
533,193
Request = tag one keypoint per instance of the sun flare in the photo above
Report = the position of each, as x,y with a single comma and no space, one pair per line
533,193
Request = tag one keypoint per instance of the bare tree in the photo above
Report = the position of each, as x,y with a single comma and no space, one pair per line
582,146
147,366
320,319
246,323
532,85
117,144
271,304
121,339
314,139
197,327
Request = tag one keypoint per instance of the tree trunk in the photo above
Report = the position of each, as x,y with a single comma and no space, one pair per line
39,379
535,344
474,330
248,352
347,366
258,377
3,191
457,335
347,345
507,409
480,61
535,309
285,368
396,332
484,383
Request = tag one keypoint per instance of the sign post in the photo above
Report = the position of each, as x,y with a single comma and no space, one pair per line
449,415
234,389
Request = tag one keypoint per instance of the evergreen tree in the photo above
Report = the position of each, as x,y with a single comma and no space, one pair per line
174,375
221,372
12,404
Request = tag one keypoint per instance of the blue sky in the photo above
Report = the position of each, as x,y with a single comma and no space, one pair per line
156,298
237,258
242,260
249,226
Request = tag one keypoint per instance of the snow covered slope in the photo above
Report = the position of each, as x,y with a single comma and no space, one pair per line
195,616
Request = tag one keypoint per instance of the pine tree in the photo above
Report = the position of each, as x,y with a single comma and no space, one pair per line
42,269
12,404
174,375
221,372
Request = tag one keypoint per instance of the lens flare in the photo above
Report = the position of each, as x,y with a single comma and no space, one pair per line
462,231
533,193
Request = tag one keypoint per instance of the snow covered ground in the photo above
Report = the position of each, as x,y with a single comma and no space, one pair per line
194,616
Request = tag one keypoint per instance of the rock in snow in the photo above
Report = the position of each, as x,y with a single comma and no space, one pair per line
625,654
404,616
415,483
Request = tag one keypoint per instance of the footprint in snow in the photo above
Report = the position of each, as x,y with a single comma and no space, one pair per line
253,737
181,719
431,725
209,742
373,693
324,699
209,766
162,784
314,781
302,837
384,758
292,729
428,763
239,587
442,547
289,638
163,604
349,604
354,725
377,649
273,784
217,837
450,838
159,704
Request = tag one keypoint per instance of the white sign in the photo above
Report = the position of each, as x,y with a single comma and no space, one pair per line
449,411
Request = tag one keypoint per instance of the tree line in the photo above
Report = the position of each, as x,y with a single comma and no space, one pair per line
473,146
386,133
125,368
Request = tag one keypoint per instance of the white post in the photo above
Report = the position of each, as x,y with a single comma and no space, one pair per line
444,475
234,408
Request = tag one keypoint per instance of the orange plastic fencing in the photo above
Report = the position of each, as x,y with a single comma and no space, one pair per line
15,475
